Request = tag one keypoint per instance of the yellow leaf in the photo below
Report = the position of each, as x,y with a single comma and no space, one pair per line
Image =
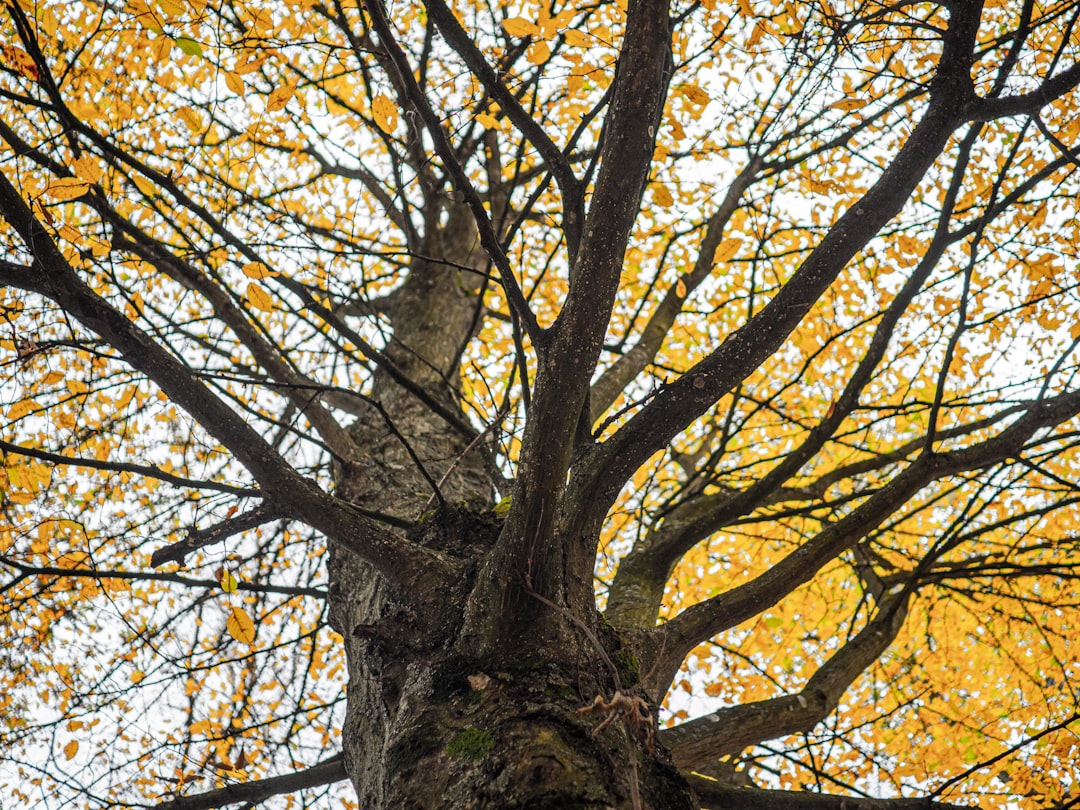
22,408
745,8
727,249
174,8
144,185
250,66
538,53
848,104
86,168
259,298
680,288
240,626
385,112
576,39
235,83
520,27
68,233
279,97
487,121
229,583
21,61
694,94
662,196
67,188
137,676
71,749
192,120
257,270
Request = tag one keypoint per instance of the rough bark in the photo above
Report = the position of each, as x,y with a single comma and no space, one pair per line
433,721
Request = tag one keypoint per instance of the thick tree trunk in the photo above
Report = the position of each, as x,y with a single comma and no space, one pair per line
441,714
431,728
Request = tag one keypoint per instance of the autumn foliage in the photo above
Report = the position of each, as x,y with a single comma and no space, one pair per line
756,324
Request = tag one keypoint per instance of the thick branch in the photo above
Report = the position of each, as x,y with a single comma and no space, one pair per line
599,480
699,743
462,42
638,587
706,619
529,543
325,773
612,382
718,796
403,563
198,538
1028,103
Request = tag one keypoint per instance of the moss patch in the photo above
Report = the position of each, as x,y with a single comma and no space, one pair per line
470,743
629,669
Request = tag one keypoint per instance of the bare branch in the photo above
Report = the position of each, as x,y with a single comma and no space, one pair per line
718,796
325,773
199,538
700,742
706,619
148,470
609,466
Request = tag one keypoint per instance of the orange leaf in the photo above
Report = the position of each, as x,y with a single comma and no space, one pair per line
192,120
20,60
538,53
257,270
86,168
235,83
67,188
21,409
279,97
385,112
694,94
71,749
259,298
520,27
727,249
240,626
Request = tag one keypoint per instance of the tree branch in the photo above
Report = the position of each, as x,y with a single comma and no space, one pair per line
488,238
719,796
697,744
325,773
605,470
146,470
556,161
403,563
705,619
151,576
198,538
612,382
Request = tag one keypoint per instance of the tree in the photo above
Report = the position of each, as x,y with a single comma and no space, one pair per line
630,404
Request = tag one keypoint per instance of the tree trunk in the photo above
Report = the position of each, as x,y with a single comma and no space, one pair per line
429,727
441,714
